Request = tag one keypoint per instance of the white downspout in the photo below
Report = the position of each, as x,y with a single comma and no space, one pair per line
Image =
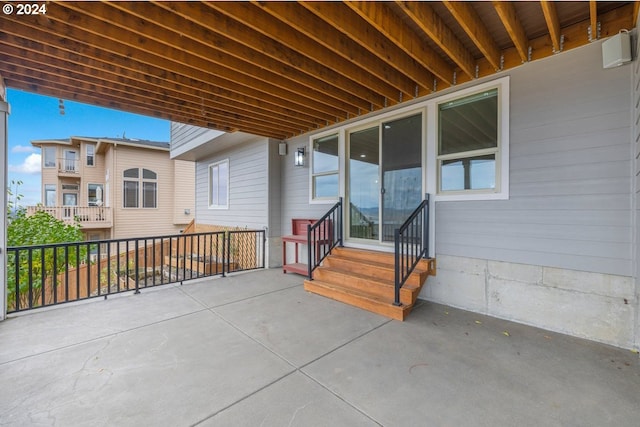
4,114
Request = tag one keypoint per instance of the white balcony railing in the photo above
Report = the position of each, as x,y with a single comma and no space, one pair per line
68,166
87,216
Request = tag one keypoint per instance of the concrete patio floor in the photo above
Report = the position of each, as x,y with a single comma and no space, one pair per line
256,349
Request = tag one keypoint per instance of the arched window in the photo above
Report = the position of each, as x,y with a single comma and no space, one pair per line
140,185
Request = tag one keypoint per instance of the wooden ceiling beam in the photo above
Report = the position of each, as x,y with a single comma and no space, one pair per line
120,96
507,13
345,21
553,24
71,93
428,20
238,39
211,44
379,16
43,41
141,36
307,23
257,19
593,18
471,23
158,66
180,101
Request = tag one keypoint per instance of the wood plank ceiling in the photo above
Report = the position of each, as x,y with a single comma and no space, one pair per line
280,69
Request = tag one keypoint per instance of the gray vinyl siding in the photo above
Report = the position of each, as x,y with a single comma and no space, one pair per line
635,108
275,195
181,134
295,188
570,173
248,187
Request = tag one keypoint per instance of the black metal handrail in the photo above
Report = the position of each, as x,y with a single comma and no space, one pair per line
411,244
324,235
44,275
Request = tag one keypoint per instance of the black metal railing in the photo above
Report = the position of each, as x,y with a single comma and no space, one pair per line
44,275
324,235
411,244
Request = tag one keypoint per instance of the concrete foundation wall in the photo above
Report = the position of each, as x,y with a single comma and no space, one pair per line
600,307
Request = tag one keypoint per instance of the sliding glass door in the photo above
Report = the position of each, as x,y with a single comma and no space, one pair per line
385,177
401,172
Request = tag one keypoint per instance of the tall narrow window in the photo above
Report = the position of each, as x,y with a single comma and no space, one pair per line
219,185
149,189
325,168
91,153
50,195
130,188
468,143
49,160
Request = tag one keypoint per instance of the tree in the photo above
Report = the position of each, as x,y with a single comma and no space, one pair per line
29,265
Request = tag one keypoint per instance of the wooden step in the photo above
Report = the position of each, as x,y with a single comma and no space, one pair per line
366,279
363,282
376,269
385,258
357,298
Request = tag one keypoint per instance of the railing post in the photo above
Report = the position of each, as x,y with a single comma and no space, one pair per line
341,224
309,244
226,240
425,227
396,297
136,267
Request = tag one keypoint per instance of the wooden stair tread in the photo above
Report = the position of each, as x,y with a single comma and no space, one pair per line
375,280
357,298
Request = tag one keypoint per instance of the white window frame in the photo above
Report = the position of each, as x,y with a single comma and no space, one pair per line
213,169
89,203
337,172
92,148
53,152
50,188
501,190
140,182
430,130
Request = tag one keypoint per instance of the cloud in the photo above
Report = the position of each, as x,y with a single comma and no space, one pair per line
30,166
23,149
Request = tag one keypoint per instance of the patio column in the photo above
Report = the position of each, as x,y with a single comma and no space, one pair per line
4,114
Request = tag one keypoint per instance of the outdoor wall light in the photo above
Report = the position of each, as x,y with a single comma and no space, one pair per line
299,157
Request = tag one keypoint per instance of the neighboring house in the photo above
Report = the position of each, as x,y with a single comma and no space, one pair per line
116,188
531,174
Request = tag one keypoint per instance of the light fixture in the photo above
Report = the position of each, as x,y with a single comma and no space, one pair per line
299,157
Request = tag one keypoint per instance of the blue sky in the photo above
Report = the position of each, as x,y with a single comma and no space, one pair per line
38,117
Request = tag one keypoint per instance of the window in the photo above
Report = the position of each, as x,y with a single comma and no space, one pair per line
49,157
325,168
469,144
140,187
91,149
130,194
219,185
95,195
50,195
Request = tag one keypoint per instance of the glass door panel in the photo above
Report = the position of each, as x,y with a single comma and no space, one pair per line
364,184
69,201
401,172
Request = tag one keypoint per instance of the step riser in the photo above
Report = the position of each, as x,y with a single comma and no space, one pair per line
377,272
407,296
426,264
387,310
